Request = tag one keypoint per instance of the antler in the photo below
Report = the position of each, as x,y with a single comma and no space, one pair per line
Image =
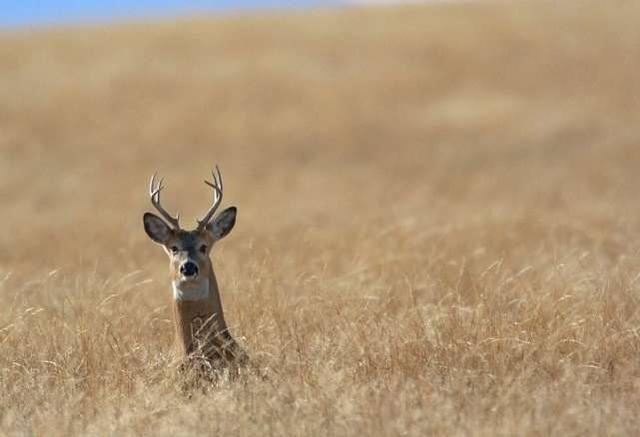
217,198
154,193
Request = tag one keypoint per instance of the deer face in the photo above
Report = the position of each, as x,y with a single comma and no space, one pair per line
188,251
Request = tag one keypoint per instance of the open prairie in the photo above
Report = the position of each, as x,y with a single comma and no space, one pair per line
438,228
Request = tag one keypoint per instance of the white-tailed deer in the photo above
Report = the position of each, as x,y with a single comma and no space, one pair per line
201,331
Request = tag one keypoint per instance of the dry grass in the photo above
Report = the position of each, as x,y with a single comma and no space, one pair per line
438,226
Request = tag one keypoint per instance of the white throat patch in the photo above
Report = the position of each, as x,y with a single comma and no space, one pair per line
186,291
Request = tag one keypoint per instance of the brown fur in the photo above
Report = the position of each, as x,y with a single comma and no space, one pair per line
201,329
202,334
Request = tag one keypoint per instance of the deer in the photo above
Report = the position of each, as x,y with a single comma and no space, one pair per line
201,332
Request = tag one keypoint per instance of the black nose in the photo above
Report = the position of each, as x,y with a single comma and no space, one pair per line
189,269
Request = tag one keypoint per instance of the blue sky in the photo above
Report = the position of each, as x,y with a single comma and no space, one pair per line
21,13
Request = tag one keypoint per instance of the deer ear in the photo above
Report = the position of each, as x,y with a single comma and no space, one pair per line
156,228
222,224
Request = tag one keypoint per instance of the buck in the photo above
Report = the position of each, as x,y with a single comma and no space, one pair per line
201,331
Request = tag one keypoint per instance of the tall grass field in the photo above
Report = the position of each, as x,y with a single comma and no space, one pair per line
438,220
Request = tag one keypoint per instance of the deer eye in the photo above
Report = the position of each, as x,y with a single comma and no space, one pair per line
203,248
174,249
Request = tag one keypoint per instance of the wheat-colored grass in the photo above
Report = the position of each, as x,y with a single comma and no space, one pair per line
438,226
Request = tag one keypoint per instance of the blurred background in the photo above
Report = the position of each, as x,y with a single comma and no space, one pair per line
328,117
35,13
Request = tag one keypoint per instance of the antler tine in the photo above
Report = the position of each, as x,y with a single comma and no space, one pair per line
217,197
154,193
217,186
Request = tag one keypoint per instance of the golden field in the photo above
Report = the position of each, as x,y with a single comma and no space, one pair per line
438,230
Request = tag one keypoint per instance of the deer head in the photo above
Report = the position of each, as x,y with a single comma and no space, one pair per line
190,266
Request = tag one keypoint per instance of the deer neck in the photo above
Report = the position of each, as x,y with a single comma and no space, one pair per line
195,307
